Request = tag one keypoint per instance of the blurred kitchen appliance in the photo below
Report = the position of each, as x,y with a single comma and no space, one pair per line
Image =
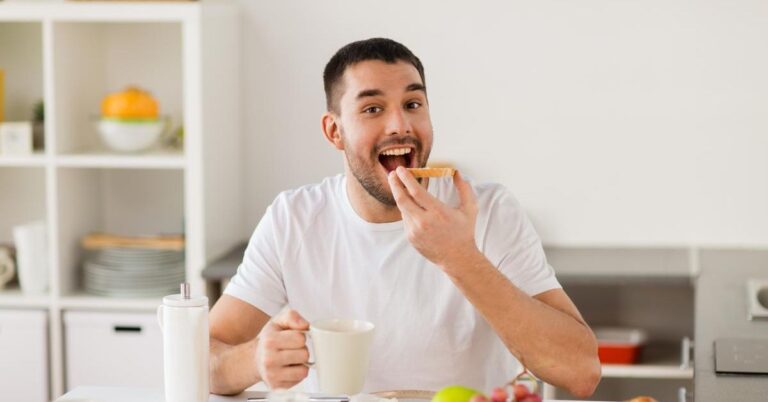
741,356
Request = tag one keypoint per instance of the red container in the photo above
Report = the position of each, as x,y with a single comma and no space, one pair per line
619,345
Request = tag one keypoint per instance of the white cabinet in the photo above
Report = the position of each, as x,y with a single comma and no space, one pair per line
72,54
119,349
644,288
24,355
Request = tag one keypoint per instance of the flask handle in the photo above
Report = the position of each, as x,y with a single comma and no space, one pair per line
160,316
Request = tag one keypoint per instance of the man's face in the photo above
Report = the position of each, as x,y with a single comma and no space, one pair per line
384,123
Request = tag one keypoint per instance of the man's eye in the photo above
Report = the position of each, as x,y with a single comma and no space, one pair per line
372,109
413,105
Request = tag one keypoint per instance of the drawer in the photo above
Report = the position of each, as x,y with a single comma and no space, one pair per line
24,351
121,349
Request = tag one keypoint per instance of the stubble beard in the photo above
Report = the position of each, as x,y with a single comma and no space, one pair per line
365,172
366,176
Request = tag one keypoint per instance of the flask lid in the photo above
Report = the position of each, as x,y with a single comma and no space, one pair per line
184,298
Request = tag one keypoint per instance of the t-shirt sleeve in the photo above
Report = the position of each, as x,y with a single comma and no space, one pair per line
259,280
516,248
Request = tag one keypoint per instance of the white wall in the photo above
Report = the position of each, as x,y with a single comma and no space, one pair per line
635,122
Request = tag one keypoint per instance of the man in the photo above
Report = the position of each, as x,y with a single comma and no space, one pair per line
452,274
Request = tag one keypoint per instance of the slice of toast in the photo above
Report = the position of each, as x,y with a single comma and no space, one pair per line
432,172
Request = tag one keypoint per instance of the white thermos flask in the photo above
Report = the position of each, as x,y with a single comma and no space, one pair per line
184,323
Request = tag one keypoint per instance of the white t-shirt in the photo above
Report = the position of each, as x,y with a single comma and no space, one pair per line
312,251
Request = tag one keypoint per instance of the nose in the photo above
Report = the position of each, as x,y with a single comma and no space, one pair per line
398,123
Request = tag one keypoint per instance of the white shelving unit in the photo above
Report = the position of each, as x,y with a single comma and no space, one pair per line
37,159
649,289
71,55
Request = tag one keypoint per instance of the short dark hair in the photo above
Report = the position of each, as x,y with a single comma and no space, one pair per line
382,49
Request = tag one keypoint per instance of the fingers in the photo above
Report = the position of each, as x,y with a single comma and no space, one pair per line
277,359
404,201
274,359
416,190
295,374
286,376
285,339
290,319
467,199
294,357
281,353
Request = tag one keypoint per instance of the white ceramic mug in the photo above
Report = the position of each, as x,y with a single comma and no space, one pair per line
342,351
32,257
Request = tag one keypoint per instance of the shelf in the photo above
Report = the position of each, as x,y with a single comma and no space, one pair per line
82,300
621,278
91,67
12,297
631,264
37,159
154,160
128,202
659,360
73,54
647,371
22,199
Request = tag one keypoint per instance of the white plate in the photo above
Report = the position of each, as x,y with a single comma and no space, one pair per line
171,280
139,269
121,282
112,293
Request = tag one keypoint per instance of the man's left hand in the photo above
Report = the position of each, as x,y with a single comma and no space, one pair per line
442,234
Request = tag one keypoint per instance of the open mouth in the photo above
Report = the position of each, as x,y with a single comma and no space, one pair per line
394,157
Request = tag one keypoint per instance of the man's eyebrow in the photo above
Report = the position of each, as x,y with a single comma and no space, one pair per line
378,92
416,87
369,92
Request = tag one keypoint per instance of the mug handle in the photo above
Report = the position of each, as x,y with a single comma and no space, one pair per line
309,364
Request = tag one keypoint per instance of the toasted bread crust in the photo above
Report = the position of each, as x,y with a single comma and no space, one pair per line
432,172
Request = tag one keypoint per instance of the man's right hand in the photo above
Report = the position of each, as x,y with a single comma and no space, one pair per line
281,350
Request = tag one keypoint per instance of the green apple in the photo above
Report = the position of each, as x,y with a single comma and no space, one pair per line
455,393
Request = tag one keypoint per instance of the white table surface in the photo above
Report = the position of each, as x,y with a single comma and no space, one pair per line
130,394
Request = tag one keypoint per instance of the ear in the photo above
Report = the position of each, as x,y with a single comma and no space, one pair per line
331,130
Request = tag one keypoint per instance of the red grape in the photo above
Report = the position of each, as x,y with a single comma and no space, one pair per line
520,391
478,398
499,395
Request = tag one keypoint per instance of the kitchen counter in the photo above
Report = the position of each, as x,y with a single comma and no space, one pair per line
218,272
131,394
722,312
128,394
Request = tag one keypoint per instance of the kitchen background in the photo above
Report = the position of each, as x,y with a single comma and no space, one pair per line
633,133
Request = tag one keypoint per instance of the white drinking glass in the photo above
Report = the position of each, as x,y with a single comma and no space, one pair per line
32,257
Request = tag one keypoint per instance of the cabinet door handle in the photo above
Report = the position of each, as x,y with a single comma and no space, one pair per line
685,353
127,329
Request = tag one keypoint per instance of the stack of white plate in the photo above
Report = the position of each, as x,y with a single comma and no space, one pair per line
133,272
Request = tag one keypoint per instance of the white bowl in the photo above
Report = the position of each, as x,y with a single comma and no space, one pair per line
130,136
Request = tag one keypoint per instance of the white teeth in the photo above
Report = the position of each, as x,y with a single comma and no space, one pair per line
397,151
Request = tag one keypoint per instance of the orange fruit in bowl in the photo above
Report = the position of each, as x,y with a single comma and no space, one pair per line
133,103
